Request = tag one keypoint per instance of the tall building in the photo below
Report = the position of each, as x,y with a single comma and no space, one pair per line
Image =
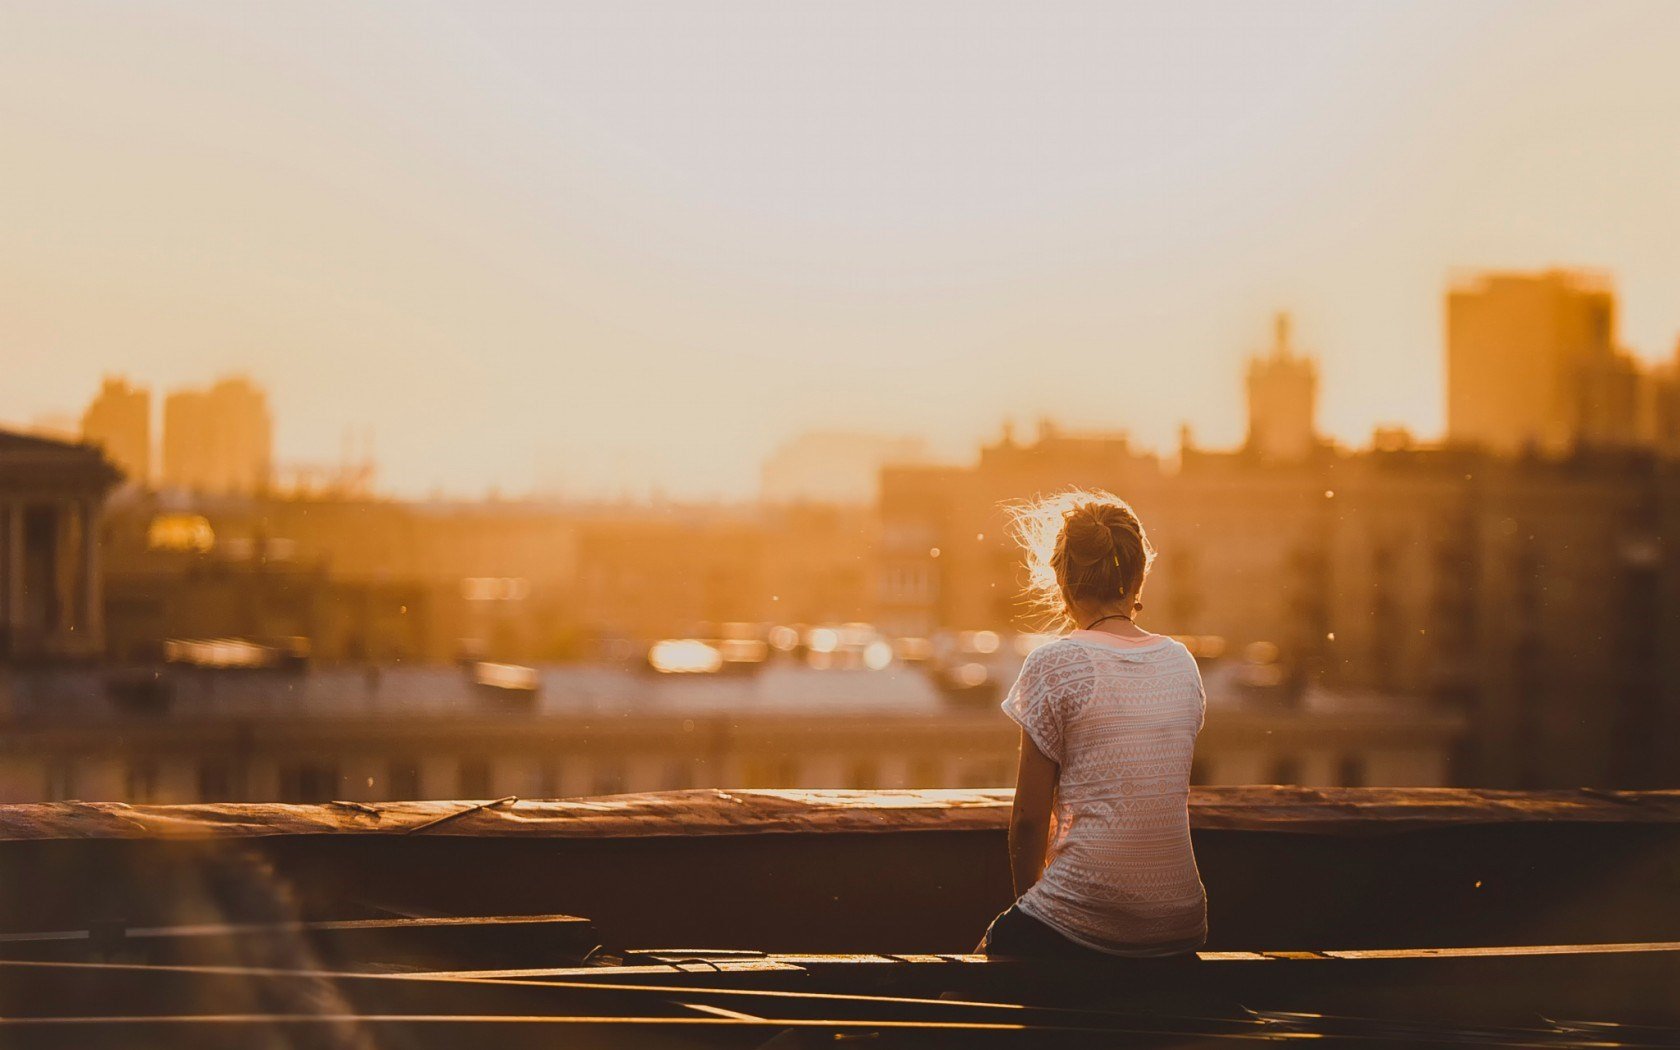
1457,577
218,440
1661,405
119,420
1282,400
1532,363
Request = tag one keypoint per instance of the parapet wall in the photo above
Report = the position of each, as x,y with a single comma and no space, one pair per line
837,871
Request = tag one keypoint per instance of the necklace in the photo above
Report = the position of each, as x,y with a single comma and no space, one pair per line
1110,616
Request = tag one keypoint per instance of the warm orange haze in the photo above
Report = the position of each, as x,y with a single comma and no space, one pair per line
1085,524
870,603
552,241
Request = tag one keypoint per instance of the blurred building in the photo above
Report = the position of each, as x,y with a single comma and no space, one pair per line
534,581
1532,596
656,573
1662,405
524,581
218,440
820,560
361,579
831,466
119,420
918,512
1535,595
171,576
1282,400
51,583
1533,364
264,732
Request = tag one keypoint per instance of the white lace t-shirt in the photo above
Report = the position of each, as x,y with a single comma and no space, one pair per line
1120,720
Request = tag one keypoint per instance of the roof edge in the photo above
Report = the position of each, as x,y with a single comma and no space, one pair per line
1323,811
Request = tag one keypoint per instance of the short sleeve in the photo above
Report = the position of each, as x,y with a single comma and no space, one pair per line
1030,705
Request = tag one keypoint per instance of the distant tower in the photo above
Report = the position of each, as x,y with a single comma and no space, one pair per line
119,420
1282,400
218,440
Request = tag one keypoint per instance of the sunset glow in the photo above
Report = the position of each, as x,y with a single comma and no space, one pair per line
631,248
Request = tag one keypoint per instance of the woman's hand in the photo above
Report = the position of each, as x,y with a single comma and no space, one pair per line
1029,820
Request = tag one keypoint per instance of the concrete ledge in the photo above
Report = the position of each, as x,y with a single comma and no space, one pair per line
1319,811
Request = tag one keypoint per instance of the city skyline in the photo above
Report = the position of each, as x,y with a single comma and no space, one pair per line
536,250
838,464
953,513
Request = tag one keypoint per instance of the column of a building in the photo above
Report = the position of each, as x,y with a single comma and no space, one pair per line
64,628
90,619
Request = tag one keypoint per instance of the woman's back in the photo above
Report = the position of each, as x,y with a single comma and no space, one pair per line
1119,717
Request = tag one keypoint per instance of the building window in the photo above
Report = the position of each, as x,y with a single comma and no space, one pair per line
475,778
402,780
308,782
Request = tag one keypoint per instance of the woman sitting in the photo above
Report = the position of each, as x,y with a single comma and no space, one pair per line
1099,839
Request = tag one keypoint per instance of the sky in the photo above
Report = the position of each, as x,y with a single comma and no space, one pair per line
623,247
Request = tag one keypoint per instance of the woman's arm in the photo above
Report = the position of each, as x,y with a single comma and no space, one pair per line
1029,820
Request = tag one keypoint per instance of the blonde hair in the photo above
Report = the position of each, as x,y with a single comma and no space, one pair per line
1082,545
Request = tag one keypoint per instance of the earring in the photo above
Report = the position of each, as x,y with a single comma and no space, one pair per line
1137,607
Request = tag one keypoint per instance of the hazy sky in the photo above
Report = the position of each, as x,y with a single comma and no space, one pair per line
616,245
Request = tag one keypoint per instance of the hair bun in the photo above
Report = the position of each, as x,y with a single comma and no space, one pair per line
1087,539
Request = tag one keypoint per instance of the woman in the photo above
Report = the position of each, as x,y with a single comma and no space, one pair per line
1099,840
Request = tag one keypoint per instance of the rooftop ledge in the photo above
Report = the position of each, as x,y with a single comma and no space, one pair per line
1322,811
1286,868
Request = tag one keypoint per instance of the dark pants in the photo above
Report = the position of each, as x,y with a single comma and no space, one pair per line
1017,934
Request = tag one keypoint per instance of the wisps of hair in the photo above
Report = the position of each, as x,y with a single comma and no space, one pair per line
1086,543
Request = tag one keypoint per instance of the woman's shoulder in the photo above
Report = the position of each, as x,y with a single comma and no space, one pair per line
1056,650
1149,646
1056,655
1081,644
1179,649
